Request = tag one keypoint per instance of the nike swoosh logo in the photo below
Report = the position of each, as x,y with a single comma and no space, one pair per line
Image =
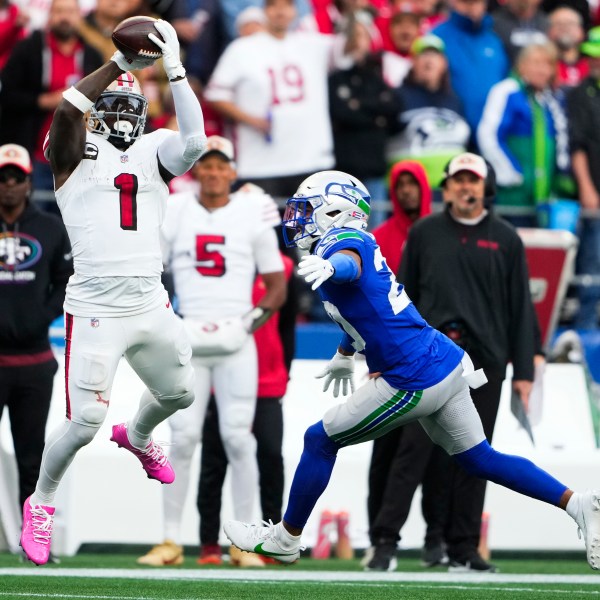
259,550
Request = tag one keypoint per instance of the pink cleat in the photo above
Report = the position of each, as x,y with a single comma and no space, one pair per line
153,458
36,535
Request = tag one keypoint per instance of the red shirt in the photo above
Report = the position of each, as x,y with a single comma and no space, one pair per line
272,374
63,72
10,32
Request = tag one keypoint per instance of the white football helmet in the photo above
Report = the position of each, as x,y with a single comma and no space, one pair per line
324,200
119,114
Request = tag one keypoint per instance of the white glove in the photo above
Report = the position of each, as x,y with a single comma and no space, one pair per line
340,369
314,268
170,49
131,64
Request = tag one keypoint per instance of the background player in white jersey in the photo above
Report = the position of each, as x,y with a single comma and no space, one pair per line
421,374
272,86
214,245
111,188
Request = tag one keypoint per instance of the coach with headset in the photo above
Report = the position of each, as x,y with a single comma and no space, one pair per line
465,270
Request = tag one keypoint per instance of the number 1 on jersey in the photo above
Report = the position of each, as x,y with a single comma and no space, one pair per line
127,184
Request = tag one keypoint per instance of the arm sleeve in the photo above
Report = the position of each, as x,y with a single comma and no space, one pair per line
178,153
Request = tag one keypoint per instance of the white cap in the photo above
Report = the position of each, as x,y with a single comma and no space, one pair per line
252,14
467,162
13,154
216,143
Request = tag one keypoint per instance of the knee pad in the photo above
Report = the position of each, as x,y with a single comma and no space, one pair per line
82,433
183,393
238,443
317,440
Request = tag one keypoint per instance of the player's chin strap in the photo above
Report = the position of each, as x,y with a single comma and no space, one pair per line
256,318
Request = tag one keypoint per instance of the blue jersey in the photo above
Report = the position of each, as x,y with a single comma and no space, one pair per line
381,321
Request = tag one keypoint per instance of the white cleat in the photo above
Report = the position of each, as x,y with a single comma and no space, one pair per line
588,521
260,539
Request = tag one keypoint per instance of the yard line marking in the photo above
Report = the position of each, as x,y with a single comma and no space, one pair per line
305,576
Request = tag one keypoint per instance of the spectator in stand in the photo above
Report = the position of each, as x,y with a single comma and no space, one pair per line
362,108
12,28
268,431
398,26
476,55
523,134
520,23
35,265
565,29
582,7
403,30
583,105
272,87
232,8
40,68
97,26
410,194
430,126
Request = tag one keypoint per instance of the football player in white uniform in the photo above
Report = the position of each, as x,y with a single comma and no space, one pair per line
111,188
214,245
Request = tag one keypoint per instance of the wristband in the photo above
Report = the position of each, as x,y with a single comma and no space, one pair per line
345,266
78,100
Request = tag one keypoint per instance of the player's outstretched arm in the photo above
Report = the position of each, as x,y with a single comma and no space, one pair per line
179,152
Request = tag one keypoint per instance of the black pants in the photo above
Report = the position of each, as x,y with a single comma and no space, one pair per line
27,392
401,460
268,430
452,499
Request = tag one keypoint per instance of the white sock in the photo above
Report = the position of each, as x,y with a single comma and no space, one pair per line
573,507
287,540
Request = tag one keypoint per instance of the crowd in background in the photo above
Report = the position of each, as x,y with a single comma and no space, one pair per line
371,82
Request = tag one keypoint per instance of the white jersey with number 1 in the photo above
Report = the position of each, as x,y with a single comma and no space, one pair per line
113,205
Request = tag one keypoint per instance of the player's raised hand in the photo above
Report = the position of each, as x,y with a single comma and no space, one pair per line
170,49
340,370
131,64
315,269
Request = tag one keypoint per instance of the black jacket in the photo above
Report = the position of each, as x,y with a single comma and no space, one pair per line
475,275
362,108
21,82
583,113
35,265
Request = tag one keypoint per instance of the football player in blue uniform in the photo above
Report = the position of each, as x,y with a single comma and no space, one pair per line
421,373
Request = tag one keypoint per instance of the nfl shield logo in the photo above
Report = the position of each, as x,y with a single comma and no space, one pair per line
95,322
124,158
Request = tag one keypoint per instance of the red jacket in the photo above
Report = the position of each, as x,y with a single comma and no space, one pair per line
391,234
272,374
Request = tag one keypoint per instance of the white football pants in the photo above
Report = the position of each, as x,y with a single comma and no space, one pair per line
234,380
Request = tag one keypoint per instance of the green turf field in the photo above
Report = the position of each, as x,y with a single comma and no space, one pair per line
108,576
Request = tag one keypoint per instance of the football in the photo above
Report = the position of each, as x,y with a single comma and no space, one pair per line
131,38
